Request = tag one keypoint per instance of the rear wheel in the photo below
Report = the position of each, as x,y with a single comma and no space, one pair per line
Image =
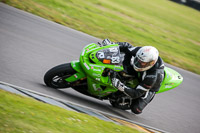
55,77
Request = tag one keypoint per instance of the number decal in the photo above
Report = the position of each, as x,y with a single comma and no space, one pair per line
101,55
115,59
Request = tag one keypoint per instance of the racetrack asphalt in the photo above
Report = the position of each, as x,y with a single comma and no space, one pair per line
30,45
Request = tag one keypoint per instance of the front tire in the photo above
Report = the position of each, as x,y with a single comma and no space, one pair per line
55,77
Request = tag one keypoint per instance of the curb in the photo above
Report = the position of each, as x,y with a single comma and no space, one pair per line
79,108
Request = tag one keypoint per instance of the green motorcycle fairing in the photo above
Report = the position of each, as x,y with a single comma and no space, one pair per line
171,80
95,59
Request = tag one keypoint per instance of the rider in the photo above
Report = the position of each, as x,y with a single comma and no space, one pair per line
144,63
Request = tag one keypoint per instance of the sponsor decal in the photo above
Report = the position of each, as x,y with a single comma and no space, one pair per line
98,70
169,83
94,86
83,52
117,69
95,65
168,86
147,50
75,76
117,66
96,75
98,79
88,68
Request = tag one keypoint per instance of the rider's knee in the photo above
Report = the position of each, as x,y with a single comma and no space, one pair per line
136,109
139,104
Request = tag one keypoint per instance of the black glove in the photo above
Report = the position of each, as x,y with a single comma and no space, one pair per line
118,84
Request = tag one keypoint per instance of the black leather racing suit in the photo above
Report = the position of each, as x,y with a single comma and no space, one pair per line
149,81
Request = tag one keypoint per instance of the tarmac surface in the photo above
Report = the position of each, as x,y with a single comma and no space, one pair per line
30,45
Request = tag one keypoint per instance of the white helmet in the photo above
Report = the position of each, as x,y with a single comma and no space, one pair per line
145,58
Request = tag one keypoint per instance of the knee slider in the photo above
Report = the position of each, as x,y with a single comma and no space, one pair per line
135,109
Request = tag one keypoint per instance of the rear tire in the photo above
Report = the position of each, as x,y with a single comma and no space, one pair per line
55,77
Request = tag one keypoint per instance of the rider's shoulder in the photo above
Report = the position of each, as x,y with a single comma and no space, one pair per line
134,50
158,65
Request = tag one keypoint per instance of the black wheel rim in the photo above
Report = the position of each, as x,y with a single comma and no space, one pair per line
58,81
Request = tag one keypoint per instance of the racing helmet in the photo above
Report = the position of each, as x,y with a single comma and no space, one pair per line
145,58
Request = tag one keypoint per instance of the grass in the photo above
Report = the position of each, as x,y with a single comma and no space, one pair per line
172,28
20,114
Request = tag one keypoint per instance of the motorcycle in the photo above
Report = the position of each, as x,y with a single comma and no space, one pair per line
91,75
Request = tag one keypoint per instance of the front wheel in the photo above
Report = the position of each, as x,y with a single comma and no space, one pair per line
55,77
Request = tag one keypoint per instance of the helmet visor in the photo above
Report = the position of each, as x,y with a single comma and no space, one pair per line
140,64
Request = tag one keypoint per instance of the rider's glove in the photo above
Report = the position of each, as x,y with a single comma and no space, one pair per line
106,42
118,84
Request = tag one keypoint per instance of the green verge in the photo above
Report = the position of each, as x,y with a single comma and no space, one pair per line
20,114
172,28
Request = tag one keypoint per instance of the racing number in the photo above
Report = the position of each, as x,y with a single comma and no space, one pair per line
115,59
101,55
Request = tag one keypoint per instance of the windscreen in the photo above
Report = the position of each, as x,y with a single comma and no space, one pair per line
110,56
